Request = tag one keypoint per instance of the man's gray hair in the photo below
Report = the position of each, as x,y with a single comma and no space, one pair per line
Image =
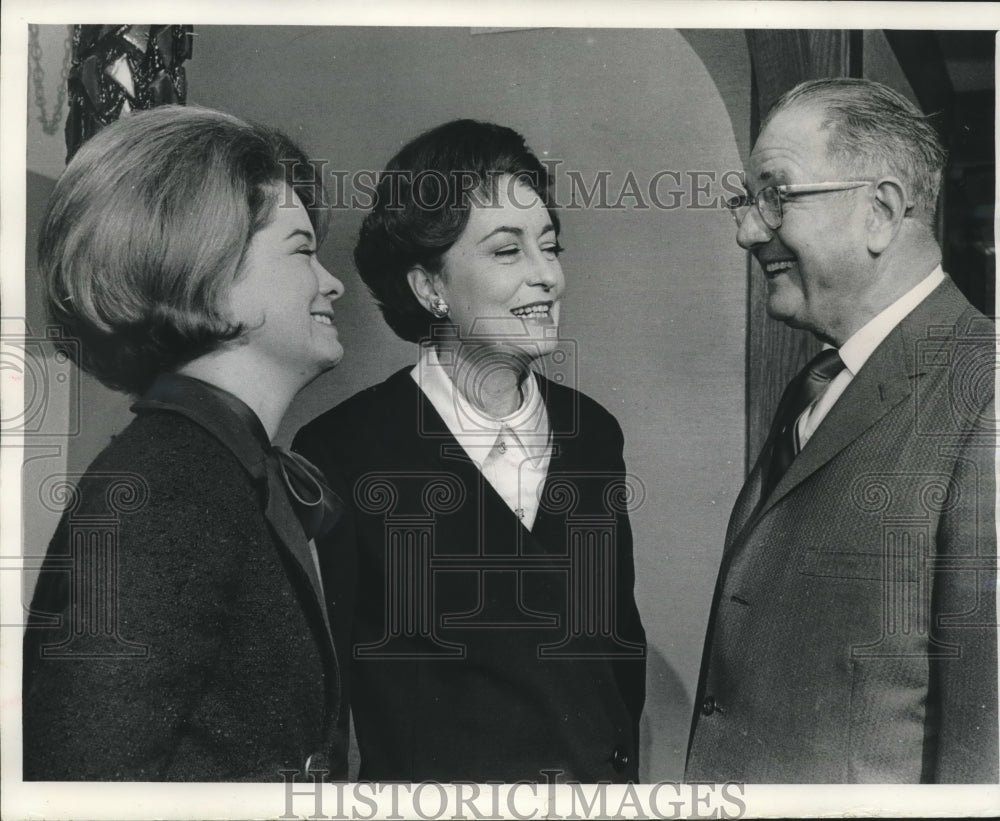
875,130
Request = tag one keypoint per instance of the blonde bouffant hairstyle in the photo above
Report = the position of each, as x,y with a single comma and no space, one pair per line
147,228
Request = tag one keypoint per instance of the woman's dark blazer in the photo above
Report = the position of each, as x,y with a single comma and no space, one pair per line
207,657
480,650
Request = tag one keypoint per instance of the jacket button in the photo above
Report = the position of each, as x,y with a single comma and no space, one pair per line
316,762
619,759
709,706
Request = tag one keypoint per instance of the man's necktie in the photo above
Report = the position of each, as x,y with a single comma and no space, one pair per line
801,392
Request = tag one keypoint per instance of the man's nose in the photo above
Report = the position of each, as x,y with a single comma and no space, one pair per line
752,231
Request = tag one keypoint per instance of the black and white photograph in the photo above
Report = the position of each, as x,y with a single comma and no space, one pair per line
532,410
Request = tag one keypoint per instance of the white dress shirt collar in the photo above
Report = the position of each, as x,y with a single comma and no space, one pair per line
856,351
862,344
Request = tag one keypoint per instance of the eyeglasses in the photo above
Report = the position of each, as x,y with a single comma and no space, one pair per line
768,200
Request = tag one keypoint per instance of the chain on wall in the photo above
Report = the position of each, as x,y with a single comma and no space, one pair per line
50,122
122,68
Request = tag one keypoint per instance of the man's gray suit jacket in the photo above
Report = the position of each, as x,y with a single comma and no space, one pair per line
853,636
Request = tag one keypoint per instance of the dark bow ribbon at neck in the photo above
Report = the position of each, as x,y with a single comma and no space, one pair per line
316,506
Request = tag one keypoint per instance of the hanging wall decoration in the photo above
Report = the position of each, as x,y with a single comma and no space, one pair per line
36,61
122,68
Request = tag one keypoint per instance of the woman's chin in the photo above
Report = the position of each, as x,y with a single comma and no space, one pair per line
505,353
324,364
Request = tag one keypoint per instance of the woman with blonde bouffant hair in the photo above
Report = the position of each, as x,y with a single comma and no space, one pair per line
181,255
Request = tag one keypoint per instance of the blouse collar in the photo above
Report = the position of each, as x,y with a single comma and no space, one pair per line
474,430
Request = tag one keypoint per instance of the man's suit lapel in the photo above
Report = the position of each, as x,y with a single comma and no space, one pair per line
748,501
885,380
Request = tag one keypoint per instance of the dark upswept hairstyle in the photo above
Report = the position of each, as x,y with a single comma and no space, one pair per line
147,228
874,130
421,207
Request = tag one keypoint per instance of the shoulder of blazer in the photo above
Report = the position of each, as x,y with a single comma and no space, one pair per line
381,400
950,315
183,493
383,409
572,412
369,421
163,446
945,327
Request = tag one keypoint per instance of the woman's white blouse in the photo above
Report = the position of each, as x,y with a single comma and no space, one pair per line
512,453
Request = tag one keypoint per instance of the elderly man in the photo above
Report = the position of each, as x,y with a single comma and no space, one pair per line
853,631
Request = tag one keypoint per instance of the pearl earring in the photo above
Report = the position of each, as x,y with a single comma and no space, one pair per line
439,307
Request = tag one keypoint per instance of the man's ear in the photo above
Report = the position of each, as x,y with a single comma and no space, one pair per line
889,206
423,285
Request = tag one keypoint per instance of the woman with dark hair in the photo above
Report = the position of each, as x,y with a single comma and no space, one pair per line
486,576
178,630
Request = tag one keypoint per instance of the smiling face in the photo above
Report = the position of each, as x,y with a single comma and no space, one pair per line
502,279
817,263
284,297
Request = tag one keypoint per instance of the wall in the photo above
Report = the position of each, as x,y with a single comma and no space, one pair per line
47,152
656,298
880,64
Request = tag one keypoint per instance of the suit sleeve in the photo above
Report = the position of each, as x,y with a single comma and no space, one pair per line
963,691
116,704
